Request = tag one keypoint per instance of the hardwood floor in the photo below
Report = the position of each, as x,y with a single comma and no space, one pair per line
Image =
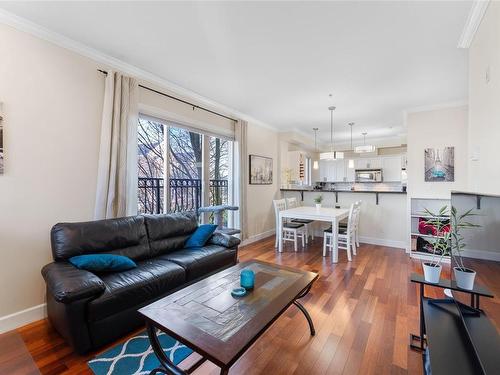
363,311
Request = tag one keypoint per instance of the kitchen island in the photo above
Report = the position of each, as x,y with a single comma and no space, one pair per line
383,212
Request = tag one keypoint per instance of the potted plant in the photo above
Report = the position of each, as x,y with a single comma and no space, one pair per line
318,201
440,245
464,276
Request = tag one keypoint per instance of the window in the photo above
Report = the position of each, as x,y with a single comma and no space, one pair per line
195,168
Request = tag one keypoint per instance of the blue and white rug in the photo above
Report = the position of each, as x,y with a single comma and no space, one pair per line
136,357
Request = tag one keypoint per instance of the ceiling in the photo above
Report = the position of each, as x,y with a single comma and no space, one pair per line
279,61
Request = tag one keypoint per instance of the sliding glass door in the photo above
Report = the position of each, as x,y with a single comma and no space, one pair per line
181,169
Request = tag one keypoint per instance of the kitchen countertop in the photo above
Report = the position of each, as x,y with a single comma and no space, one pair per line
310,190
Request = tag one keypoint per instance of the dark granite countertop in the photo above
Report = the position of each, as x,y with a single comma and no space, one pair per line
342,191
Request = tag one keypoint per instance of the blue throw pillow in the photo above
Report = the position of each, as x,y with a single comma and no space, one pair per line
102,262
201,235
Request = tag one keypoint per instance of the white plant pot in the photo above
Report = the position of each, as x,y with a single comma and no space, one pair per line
465,279
318,206
432,273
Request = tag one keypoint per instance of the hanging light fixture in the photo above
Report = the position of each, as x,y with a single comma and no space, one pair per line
364,148
332,155
315,163
351,161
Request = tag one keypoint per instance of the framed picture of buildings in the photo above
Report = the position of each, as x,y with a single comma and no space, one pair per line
440,164
261,170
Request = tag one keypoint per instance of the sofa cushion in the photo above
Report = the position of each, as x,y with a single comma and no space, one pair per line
152,279
102,262
201,261
169,232
122,236
200,236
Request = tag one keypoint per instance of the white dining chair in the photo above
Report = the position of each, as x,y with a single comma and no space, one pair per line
292,203
291,231
356,229
345,237
343,225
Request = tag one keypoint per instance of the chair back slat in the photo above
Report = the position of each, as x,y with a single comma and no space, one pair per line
351,221
292,202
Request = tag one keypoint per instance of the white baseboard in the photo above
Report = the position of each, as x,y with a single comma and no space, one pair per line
363,239
383,242
258,237
23,317
482,254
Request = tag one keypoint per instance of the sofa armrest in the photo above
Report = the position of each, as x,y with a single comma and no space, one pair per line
223,239
68,283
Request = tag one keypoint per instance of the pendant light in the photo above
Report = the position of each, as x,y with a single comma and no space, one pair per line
315,163
365,148
332,155
351,161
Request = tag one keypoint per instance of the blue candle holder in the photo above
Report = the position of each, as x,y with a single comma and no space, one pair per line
247,279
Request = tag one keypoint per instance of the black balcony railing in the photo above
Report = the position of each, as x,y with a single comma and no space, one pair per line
185,194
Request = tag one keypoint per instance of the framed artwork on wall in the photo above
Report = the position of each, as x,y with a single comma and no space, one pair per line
439,164
261,170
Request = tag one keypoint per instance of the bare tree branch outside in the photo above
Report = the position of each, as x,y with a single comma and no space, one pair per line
185,154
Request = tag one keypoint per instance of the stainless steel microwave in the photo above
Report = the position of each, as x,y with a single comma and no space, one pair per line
368,175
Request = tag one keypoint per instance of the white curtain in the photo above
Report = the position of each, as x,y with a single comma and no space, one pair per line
241,141
117,170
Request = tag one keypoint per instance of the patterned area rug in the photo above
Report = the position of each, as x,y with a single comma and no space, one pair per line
136,357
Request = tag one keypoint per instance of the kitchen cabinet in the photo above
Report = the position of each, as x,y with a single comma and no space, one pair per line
340,174
339,171
391,168
368,163
349,172
332,170
326,170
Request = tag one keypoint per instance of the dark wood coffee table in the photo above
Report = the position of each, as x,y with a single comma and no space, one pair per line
206,318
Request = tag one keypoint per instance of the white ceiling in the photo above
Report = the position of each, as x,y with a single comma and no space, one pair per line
278,61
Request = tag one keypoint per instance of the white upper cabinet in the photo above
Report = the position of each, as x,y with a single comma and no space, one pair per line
391,168
349,172
340,174
368,163
339,171
326,170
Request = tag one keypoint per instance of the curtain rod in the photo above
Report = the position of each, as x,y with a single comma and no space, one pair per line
180,100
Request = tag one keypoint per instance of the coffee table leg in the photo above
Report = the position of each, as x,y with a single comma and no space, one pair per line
168,366
306,314
304,311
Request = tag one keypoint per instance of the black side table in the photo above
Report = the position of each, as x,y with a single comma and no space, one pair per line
475,293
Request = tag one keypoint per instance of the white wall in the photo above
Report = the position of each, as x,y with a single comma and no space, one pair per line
484,241
437,128
52,104
261,222
484,104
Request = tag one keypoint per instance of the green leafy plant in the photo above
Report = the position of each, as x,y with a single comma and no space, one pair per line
451,242
318,199
441,245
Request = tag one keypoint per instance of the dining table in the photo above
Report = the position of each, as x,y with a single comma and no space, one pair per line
331,215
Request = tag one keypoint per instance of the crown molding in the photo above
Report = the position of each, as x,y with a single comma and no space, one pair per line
476,14
60,40
434,107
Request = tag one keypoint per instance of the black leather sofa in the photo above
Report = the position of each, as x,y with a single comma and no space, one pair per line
90,310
